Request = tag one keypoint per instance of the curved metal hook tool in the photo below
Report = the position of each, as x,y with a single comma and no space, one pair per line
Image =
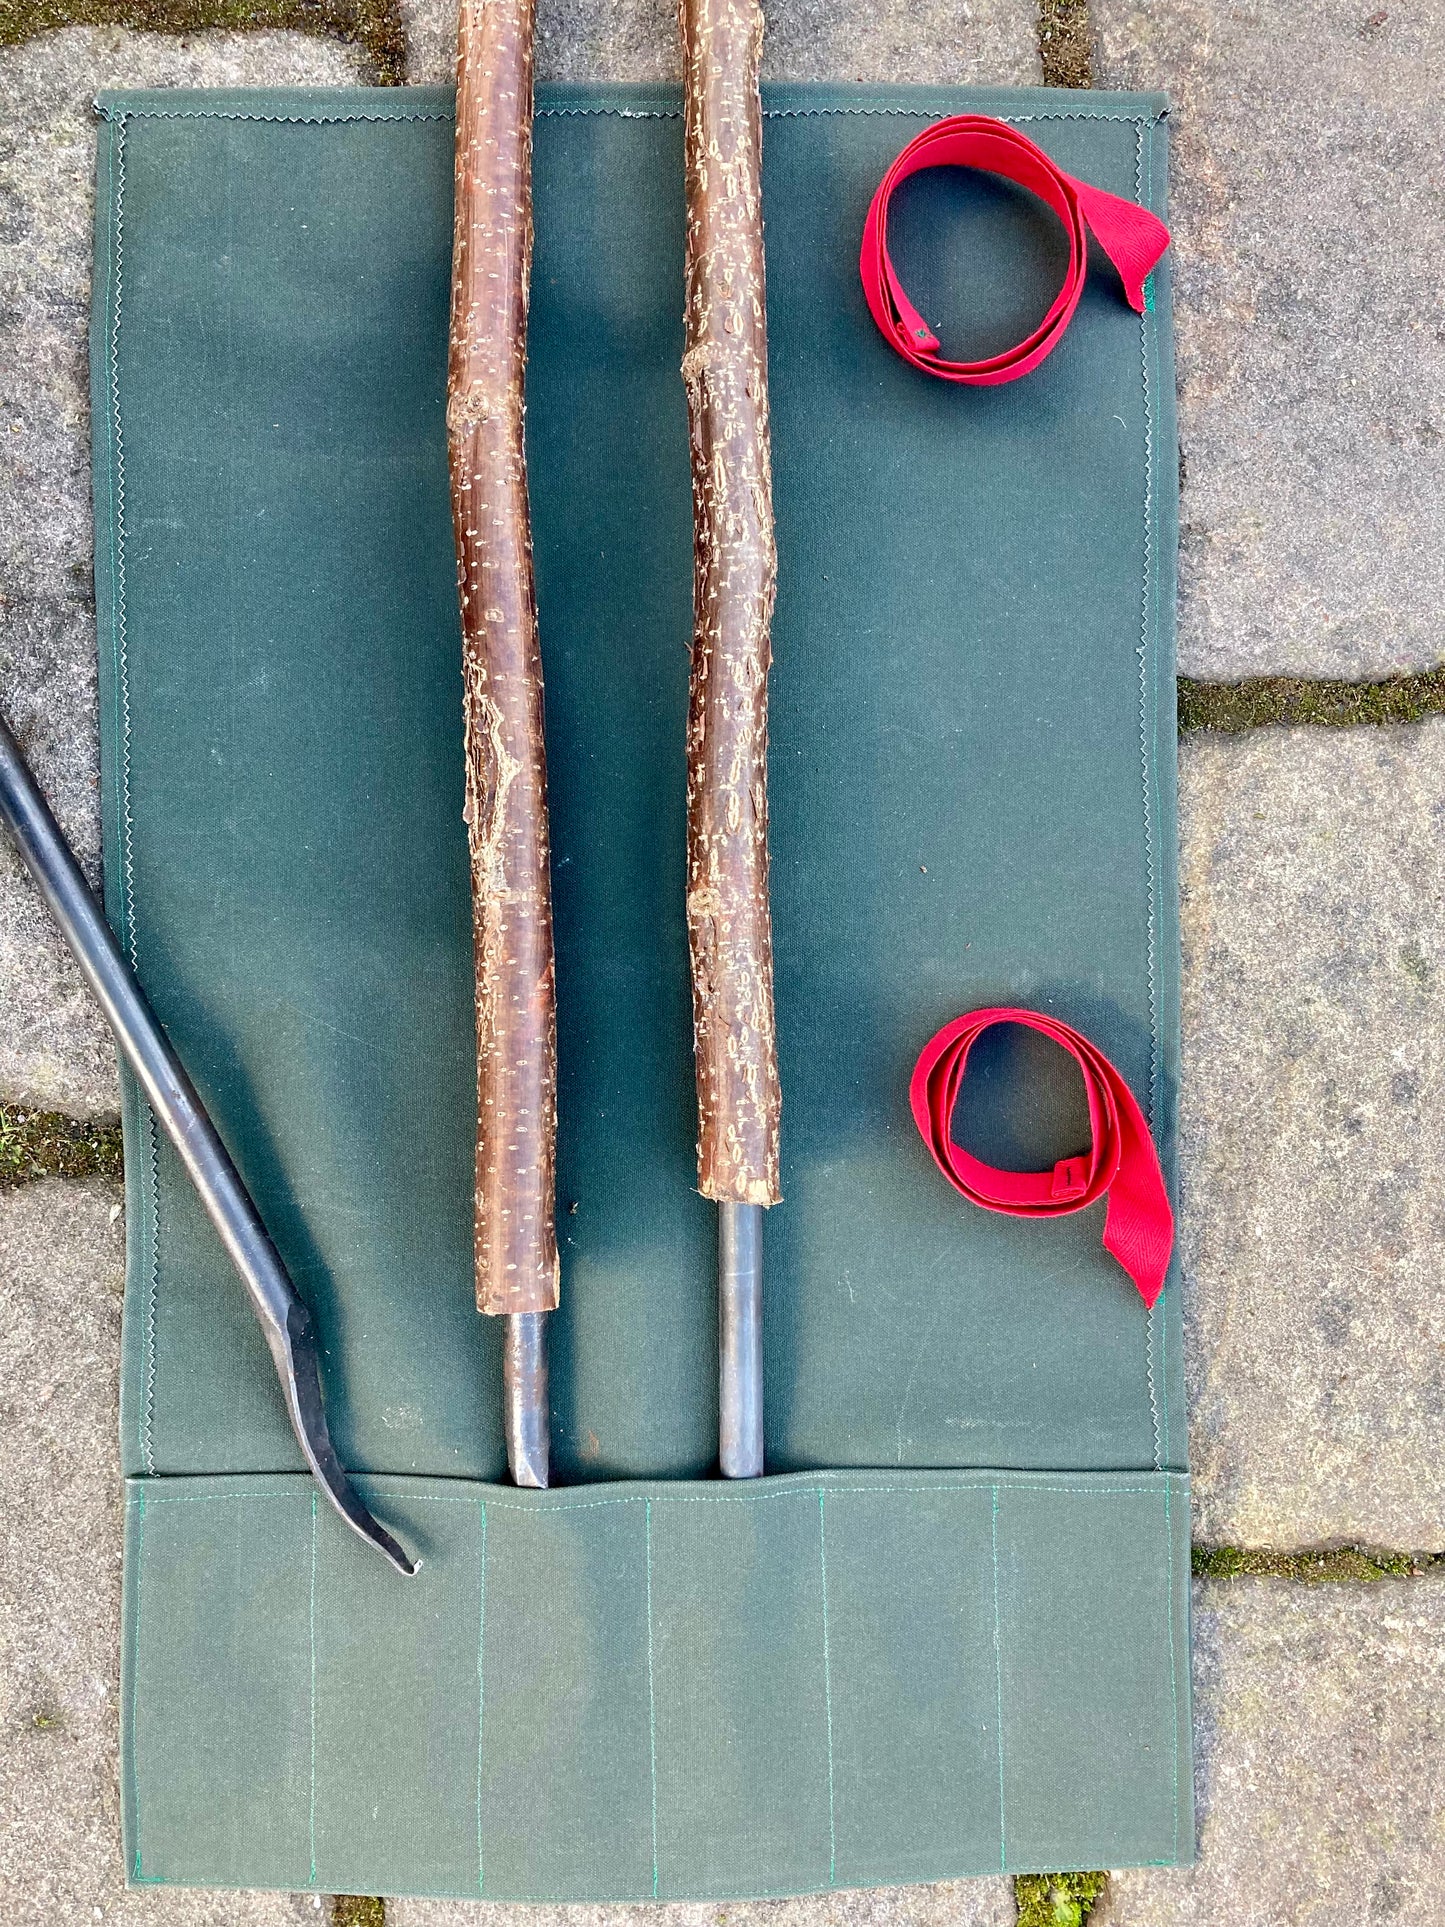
284,1318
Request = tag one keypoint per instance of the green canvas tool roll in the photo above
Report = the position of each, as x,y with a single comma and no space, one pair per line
948,1633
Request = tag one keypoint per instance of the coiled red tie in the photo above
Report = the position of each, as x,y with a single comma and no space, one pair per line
1130,235
1121,1160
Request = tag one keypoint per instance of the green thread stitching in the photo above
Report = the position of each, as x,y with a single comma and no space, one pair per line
1147,631
151,1197
149,1165
119,116
1163,1301
311,1620
1173,1681
149,1168
1150,333
1149,328
140,1544
118,619
965,1479
827,1689
481,1686
998,1689
651,1697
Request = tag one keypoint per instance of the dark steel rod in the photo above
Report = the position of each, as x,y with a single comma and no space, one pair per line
285,1320
524,1384
740,1340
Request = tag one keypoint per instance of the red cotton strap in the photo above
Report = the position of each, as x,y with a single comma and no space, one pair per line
1130,235
1138,1225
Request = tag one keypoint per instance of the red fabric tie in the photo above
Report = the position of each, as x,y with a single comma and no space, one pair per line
1138,1225
1130,235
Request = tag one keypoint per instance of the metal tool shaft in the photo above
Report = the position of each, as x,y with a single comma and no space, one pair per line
740,1340
524,1384
285,1320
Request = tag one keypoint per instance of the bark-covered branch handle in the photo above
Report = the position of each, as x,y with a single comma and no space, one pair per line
725,369
506,774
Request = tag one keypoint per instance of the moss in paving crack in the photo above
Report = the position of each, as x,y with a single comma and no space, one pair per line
1057,1899
358,1910
1264,700
42,1144
1336,1564
1064,43
372,24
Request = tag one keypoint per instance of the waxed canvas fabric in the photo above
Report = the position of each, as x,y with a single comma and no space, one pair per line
948,1633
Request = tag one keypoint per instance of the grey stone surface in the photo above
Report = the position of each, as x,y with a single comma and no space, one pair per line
983,41
1319,1762
61,1272
54,1050
1313,1134
1308,176
949,1903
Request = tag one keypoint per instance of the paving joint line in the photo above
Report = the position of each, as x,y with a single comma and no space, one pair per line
1263,702
1058,1899
38,1144
1066,49
1316,1565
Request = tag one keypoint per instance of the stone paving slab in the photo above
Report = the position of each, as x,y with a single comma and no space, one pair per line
61,1273
985,42
1313,1134
1308,177
948,1903
1319,1762
54,1050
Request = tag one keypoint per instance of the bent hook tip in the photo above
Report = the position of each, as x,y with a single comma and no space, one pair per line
299,1366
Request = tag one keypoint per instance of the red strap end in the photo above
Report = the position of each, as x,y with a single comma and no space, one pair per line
1121,1163
1131,236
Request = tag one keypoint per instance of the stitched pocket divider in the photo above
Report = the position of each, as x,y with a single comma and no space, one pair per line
672,1690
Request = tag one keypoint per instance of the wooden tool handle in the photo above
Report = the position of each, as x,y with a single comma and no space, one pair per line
725,369
506,773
